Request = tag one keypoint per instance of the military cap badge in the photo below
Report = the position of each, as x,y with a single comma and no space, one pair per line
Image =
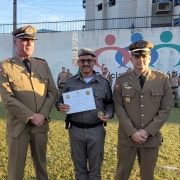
29,30
140,44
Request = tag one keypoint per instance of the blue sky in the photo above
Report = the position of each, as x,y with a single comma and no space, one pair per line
41,10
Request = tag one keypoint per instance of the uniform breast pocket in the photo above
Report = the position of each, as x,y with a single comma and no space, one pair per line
44,78
100,95
128,96
157,95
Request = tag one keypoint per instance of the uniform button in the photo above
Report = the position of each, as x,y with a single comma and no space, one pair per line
34,88
141,95
142,105
142,124
142,115
31,78
157,94
36,99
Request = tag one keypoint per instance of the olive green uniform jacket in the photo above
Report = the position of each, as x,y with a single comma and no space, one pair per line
24,94
147,108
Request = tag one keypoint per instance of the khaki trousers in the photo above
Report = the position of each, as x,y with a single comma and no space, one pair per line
17,152
176,96
147,157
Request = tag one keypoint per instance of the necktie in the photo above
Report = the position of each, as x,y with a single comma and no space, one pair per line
27,64
142,80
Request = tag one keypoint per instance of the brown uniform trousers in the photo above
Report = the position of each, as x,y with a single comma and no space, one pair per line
24,94
140,108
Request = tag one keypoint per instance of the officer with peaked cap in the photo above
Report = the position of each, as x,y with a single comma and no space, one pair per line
142,100
87,133
28,93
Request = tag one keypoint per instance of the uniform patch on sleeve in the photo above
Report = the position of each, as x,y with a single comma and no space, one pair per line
1,70
116,86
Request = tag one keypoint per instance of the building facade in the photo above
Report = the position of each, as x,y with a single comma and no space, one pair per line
156,12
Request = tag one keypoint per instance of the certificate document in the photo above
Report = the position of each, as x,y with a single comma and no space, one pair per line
79,100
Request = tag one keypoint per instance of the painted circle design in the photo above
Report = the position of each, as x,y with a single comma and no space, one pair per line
110,39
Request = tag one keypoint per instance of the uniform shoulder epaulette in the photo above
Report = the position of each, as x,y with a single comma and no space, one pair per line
102,77
160,72
123,74
73,76
6,60
39,59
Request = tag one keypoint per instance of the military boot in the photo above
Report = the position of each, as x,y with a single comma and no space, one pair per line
176,105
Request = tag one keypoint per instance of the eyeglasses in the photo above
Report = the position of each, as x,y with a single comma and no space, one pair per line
89,61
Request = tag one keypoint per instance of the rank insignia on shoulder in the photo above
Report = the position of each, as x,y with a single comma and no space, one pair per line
1,70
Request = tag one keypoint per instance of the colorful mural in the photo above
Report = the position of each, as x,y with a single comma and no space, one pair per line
122,55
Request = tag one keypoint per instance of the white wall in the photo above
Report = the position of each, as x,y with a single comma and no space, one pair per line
57,48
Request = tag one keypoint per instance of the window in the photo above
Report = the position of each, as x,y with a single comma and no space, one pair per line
160,1
112,3
177,22
99,7
177,2
84,4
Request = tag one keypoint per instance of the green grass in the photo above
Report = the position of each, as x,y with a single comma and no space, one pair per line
58,154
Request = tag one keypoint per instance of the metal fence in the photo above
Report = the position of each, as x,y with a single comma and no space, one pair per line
100,24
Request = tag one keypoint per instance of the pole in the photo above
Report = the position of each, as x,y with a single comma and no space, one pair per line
14,21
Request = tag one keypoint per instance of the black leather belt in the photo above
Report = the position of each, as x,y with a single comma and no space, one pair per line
86,125
174,87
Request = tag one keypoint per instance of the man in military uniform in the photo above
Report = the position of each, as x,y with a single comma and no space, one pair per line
175,81
62,77
87,133
142,101
68,73
107,75
28,93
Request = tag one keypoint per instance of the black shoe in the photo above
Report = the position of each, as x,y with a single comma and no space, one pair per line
176,105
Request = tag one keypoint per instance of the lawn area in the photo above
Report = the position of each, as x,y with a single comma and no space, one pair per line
58,155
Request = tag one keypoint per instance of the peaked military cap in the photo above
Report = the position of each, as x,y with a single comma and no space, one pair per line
25,32
86,51
141,47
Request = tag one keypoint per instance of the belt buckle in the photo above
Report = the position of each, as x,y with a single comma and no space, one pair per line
85,126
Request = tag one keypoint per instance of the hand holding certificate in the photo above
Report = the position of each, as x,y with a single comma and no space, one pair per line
79,100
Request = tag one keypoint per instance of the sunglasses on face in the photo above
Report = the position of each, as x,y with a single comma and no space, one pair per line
89,61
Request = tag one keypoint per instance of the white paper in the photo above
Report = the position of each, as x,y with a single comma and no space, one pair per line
79,100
